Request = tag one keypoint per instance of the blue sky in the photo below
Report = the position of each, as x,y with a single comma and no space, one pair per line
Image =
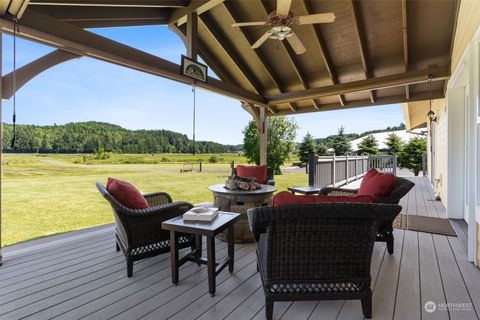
86,89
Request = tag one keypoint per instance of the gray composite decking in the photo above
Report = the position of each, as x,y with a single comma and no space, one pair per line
83,277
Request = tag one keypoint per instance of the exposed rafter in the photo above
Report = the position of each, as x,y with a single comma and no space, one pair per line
292,56
360,37
229,49
113,3
437,94
323,48
268,68
44,29
32,69
412,77
179,16
405,43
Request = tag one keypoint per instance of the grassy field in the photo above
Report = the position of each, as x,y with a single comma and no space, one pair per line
45,195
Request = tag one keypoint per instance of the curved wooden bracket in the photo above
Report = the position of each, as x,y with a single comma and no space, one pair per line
31,70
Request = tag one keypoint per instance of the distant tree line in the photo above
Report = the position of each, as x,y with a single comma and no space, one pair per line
89,137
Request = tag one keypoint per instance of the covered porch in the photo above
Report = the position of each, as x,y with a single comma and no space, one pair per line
79,275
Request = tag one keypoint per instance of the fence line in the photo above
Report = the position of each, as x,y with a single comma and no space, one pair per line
336,171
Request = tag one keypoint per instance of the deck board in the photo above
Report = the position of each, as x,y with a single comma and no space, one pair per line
87,279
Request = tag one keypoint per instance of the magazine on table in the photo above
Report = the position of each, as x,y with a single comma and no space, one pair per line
200,214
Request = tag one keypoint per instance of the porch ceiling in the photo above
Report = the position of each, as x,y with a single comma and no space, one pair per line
376,52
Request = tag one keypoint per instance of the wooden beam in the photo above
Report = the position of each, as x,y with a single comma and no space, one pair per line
179,16
405,43
236,58
323,50
192,36
266,65
90,14
390,81
361,42
14,7
113,3
292,57
32,69
437,94
41,28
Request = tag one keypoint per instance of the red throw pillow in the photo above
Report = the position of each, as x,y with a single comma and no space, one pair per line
286,198
126,194
376,184
257,172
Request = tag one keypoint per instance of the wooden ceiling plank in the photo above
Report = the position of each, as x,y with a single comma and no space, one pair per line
179,16
437,94
268,68
291,55
323,49
360,37
44,29
113,3
405,42
232,52
384,82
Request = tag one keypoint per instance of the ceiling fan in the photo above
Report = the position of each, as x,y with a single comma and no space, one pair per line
281,22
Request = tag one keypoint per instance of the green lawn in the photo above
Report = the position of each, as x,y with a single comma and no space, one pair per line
45,195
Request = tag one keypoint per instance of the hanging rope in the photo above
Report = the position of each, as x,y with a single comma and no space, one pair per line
14,79
194,105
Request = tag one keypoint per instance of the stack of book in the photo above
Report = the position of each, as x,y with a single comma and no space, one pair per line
200,214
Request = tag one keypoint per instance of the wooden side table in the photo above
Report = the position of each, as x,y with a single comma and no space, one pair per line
224,220
306,190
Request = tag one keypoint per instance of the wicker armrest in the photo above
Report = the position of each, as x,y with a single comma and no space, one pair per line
169,209
329,191
157,198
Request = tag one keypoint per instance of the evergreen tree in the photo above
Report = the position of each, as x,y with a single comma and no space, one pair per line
306,147
322,149
340,143
369,145
411,156
394,144
281,133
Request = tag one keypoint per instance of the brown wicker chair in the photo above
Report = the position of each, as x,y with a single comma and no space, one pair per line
317,251
385,231
138,231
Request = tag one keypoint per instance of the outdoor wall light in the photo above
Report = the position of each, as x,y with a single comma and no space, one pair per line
432,116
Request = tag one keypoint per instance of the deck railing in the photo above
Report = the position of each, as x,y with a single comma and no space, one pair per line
335,171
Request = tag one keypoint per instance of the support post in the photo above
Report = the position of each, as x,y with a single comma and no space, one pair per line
346,169
262,129
192,36
334,171
311,169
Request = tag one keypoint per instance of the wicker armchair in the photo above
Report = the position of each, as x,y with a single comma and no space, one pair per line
385,231
138,231
317,251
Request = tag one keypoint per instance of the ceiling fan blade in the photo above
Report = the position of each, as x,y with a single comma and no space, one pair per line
283,7
246,24
296,44
317,18
262,39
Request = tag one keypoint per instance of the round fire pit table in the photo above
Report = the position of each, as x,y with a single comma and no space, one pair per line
240,201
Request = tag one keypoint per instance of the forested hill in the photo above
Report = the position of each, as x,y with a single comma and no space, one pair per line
87,137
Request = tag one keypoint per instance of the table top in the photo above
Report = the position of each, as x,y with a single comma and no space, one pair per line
220,188
305,189
207,228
